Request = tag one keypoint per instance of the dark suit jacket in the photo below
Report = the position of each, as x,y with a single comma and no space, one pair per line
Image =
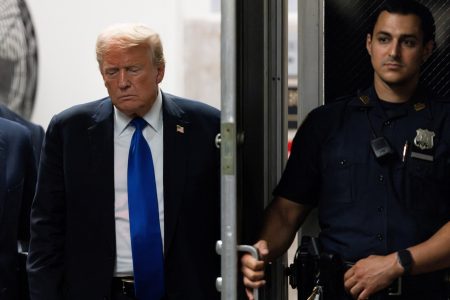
17,183
72,251
37,132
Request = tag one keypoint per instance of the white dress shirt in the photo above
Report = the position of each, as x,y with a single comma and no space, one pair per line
153,134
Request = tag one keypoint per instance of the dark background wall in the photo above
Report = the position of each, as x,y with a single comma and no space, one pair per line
347,64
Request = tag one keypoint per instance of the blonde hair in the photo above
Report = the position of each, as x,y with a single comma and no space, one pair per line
127,36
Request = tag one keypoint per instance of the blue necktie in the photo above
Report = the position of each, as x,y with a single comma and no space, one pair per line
146,243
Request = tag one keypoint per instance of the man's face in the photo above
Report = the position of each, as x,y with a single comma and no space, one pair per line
396,49
131,79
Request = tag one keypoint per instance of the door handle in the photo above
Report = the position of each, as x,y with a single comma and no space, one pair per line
240,248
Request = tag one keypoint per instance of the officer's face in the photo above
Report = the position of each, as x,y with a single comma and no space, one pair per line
131,78
397,50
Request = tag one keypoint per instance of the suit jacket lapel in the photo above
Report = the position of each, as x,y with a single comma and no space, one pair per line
176,132
101,144
101,138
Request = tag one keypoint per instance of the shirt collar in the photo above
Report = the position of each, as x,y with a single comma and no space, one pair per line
153,117
369,99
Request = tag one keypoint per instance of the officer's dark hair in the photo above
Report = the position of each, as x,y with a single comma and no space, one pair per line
405,7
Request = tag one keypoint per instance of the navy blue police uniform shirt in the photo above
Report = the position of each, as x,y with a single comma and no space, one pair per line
366,206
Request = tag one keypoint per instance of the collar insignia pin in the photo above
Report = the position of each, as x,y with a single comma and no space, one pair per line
424,139
180,129
364,99
419,106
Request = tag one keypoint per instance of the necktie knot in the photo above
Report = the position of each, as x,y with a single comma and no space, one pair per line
139,123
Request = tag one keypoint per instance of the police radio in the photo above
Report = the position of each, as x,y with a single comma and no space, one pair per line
380,145
381,149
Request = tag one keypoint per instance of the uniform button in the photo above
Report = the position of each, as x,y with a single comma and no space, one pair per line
387,123
343,163
380,237
381,178
380,209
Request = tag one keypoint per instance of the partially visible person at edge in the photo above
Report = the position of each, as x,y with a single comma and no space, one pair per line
36,131
37,137
17,186
385,216
93,210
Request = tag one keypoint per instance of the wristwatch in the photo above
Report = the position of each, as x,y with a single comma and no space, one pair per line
405,259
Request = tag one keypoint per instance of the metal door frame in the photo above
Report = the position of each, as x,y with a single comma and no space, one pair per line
311,75
254,129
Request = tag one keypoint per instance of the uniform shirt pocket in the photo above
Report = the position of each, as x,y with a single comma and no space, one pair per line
427,185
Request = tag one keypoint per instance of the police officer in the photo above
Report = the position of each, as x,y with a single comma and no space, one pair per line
377,166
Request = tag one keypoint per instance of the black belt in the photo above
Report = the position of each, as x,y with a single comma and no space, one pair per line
123,285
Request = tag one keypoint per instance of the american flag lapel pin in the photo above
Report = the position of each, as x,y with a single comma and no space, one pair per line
180,129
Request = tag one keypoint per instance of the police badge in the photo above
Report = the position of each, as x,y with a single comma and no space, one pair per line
424,139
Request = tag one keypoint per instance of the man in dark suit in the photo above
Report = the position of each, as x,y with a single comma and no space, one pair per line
37,132
82,246
37,137
17,185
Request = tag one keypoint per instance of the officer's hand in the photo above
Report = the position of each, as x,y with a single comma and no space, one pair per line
253,270
371,274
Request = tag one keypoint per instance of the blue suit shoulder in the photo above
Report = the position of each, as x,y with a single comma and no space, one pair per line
84,112
7,113
18,140
194,106
36,131
202,119
13,131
